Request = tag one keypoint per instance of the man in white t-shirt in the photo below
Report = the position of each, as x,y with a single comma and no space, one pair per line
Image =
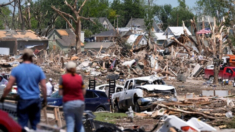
50,87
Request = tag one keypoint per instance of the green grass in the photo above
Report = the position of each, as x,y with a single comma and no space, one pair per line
109,117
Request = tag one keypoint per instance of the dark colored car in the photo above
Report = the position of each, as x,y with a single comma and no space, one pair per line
94,100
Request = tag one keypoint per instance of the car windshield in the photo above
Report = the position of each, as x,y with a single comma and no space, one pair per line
141,82
145,82
159,82
56,95
233,69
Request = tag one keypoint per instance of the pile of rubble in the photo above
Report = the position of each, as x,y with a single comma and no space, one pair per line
141,62
213,110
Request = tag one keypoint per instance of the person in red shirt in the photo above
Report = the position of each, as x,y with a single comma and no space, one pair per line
73,90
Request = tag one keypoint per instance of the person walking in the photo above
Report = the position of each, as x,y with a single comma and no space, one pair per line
50,87
27,76
73,90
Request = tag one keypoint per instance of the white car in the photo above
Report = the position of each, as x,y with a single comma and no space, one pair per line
105,88
140,92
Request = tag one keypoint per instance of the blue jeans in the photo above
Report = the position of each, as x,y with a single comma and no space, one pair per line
29,110
73,112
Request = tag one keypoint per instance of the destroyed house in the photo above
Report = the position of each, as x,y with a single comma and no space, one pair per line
176,32
13,40
64,39
136,40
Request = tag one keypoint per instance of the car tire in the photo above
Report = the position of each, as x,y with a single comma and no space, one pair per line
137,107
100,109
116,108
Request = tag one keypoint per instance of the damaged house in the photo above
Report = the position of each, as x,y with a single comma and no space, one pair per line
64,39
104,21
175,32
13,40
136,40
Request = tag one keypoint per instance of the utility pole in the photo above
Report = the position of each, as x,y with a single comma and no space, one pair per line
177,18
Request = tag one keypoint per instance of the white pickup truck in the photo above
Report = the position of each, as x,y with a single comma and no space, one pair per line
140,92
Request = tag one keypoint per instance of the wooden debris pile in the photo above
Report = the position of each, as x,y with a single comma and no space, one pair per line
210,110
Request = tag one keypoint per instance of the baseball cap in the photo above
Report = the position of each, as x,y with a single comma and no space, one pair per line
70,65
50,79
27,51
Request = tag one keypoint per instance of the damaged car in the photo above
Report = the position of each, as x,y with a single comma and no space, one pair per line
139,93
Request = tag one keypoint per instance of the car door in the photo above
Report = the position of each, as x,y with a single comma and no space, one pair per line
119,89
91,100
228,73
122,97
129,94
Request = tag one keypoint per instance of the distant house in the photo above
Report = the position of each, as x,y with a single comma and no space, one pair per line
105,22
64,38
136,40
160,38
132,29
106,36
97,45
139,23
175,31
19,40
206,19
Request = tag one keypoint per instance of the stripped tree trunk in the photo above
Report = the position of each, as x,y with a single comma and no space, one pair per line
76,19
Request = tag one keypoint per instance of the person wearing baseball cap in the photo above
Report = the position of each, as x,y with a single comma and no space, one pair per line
50,87
73,90
27,76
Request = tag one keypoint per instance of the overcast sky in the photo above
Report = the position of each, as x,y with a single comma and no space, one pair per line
174,3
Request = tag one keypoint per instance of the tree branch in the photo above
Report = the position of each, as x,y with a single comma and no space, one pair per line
198,44
75,4
68,15
73,9
2,5
59,12
188,50
81,6
85,18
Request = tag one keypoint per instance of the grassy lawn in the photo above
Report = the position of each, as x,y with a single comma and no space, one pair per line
109,117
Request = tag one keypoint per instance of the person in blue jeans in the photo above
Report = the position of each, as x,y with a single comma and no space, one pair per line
73,91
27,76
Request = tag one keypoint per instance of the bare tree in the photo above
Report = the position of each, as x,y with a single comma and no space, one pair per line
20,15
5,4
13,14
215,45
77,20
